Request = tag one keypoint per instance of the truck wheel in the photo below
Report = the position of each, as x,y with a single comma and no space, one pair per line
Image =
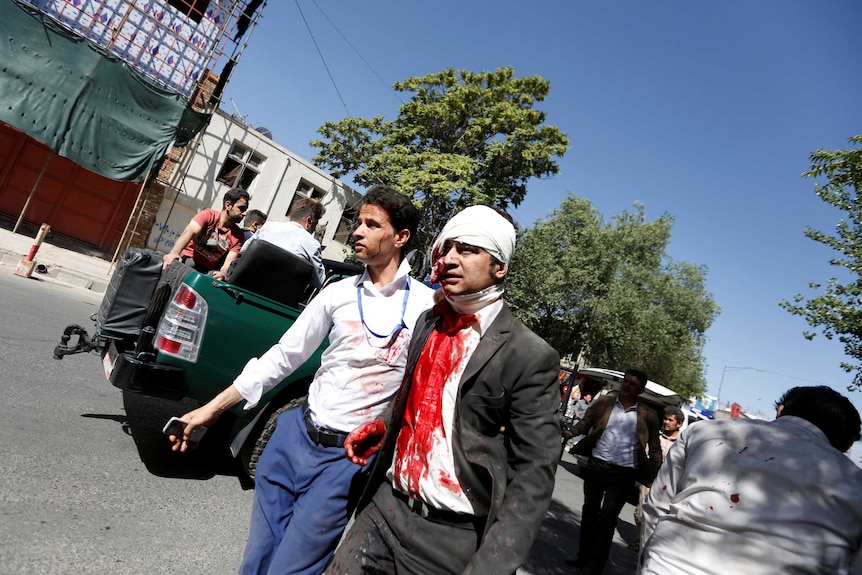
251,456
169,283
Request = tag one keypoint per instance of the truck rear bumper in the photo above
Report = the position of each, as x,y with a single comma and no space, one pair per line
148,378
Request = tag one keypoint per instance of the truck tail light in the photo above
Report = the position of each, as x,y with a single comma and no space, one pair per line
181,328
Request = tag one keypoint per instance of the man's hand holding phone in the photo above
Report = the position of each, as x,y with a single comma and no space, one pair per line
206,415
183,433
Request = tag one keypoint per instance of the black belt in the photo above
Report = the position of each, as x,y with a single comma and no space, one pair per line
608,466
422,509
320,435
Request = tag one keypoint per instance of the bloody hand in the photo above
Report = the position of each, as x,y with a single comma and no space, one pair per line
364,441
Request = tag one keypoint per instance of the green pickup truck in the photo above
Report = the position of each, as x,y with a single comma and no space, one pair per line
176,333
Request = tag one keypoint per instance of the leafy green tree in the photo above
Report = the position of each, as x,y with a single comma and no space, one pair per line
611,291
838,311
463,138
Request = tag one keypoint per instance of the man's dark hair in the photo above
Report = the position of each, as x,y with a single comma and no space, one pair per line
827,409
506,215
254,217
233,195
642,377
675,412
304,207
400,209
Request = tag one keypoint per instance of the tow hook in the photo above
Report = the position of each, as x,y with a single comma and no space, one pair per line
83,345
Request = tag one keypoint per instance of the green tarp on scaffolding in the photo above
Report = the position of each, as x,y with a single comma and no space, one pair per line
82,102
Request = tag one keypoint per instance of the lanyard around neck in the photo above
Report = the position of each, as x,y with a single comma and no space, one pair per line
400,324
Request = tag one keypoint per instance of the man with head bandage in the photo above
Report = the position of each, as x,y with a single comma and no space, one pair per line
467,452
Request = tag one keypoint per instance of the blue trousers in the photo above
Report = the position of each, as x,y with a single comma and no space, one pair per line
303,496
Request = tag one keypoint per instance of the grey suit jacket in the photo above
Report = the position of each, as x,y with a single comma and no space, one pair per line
511,382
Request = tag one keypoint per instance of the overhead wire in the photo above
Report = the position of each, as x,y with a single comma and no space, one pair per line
361,57
325,65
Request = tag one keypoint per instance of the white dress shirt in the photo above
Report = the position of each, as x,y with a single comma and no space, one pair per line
294,238
359,373
619,441
753,497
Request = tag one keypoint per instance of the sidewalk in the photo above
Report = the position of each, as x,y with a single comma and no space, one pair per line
62,265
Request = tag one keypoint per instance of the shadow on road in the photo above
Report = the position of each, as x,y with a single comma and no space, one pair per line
559,533
146,416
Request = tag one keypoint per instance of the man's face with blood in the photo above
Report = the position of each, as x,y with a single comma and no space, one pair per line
376,239
464,269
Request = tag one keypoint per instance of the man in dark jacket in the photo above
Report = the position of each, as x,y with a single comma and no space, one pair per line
466,469
623,444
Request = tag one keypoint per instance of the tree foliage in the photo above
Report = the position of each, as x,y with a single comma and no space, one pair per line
610,290
838,311
463,138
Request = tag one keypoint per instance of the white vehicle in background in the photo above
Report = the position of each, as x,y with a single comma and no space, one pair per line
655,395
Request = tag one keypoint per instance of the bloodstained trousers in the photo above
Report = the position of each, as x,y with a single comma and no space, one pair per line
303,496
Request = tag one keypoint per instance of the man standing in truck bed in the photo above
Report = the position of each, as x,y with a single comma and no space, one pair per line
303,479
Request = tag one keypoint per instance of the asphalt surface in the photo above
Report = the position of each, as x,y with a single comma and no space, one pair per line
87,481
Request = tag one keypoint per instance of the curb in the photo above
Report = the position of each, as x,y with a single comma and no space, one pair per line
59,274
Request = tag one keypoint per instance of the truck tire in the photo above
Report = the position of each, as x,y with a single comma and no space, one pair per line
251,456
169,283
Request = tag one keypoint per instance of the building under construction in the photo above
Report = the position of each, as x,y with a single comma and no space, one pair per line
99,98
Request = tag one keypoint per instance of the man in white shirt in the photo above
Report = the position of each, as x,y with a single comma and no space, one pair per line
758,497
465,472
295,236
303,480
623,445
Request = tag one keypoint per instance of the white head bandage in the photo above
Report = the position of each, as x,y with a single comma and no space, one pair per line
482,227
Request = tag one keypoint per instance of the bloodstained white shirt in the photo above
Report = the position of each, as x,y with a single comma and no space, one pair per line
359,373
438,483
753,497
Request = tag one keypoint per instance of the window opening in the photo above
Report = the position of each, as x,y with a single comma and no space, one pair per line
345,226
240,167
193,9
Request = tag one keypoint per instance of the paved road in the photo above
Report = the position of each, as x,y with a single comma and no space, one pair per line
88,485
558,537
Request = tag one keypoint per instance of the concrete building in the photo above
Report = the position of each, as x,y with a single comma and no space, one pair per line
82,130
232,154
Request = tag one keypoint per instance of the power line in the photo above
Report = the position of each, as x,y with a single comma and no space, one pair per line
325,65
361,57
734,363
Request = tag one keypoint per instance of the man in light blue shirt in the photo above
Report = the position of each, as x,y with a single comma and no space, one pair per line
623,444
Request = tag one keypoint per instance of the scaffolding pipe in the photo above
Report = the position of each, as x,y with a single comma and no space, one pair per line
33,191
137,209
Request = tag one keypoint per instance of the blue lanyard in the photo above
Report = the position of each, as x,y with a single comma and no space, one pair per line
401,323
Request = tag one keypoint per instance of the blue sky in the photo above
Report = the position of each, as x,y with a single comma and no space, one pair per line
704,110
